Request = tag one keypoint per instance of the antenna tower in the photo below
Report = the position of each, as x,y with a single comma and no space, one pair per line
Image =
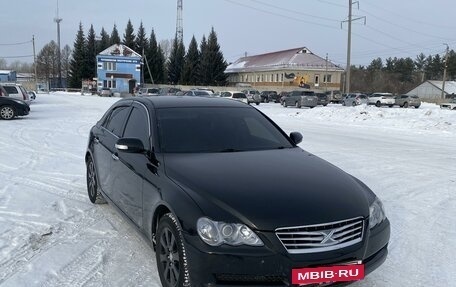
179,22
58,20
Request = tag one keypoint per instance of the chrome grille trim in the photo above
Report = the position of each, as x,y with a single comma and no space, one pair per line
321,237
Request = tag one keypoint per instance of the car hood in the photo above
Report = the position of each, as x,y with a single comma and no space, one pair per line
268,189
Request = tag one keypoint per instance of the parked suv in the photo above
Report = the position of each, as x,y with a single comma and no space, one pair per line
382,99
451,105
269,96
405,101
253,96
17,91
105,92
354,99
300,99
322,99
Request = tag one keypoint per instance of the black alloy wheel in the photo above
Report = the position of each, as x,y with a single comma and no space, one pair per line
170,253
92,184
7,112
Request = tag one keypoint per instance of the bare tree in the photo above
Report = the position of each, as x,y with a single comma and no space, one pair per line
166,46
65,60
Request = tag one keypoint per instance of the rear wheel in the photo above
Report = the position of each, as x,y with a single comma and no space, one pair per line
405,105
298,105
170,253
7,112
378,104
353,103
343,103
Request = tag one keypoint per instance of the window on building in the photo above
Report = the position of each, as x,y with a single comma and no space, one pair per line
110,66
272,77
281,77
327,78
277,77
112,84
317,79
258,78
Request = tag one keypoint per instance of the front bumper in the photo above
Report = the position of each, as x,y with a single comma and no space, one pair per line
271,265
23,111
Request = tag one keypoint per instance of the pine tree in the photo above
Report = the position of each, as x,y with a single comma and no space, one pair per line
129,36
191,64
141,40
217,62
175,62
203,67
161,71
78,61
105,41
151,53
91,54
114,39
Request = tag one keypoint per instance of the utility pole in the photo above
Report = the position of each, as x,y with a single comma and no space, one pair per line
445,71
350,20
179,22
58,20
326,74
347,77
34,63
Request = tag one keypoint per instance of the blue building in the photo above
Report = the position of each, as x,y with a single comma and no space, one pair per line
119,68
8,76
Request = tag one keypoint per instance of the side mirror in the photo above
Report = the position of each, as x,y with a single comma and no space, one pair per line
296,137
130,145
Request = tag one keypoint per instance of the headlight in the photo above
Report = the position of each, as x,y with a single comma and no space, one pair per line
217,233
376,213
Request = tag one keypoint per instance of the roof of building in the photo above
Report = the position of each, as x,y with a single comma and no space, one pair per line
294,59
5,72
450,86
119,50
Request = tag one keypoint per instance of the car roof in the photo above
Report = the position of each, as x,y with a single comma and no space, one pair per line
184,102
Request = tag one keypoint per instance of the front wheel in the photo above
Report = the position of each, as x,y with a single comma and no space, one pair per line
92,184
170,253
7,112
405,105
298,105
378,104
257,103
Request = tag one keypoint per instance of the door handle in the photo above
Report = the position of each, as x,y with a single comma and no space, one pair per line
115,157
96,140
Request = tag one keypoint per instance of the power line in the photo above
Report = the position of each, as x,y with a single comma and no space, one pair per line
15,44
333,4
13,57
295,12
281,15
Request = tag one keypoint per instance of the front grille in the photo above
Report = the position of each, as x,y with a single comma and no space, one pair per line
321,237
246,280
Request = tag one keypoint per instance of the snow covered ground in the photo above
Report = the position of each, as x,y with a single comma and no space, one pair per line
51,235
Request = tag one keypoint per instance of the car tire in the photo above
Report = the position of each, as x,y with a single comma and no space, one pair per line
343,103
257,103
298,105
405,105
390,106
170,253
378,104
7,112
285,104
416,107
95,195
353,104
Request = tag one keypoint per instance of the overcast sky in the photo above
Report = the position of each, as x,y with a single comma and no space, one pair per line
393,28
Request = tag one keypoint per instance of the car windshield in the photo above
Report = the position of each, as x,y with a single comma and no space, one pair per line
198,130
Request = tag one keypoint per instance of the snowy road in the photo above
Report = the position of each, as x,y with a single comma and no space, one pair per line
50,234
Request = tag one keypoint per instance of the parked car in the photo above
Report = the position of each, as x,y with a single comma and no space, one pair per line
355,99
381,99
176,168
282,96
16,91
301,98
238,96
253,96
197,93
12,107
169,91
3,92
335,97
451,105
322,99
269,96
149,91
32,95
105,92
405,101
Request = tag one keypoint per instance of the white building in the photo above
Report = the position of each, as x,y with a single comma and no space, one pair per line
432,90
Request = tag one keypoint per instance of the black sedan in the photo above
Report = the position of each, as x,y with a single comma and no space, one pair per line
227,198
11,108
